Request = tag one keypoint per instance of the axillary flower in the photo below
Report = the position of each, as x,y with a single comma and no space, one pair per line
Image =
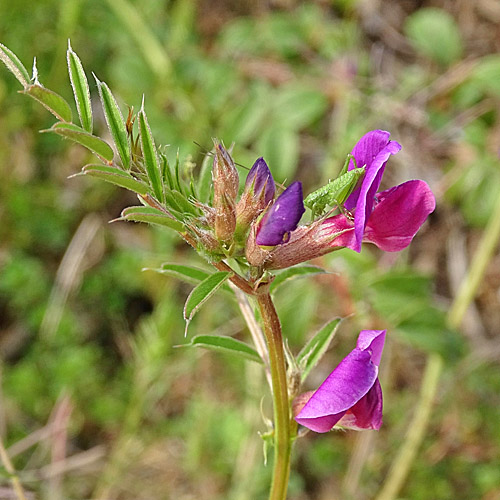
389,219
351,396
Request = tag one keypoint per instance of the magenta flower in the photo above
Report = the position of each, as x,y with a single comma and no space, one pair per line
282,217
389,219
351,396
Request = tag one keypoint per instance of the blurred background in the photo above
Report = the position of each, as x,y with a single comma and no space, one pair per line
96,400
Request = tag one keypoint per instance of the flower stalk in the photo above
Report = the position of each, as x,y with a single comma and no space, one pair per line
281,403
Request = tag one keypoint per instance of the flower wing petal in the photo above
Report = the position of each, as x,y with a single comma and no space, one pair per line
399,214
282,217
367,412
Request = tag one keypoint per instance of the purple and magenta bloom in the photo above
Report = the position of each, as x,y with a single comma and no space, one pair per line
389,219
260,178
282,217
351,396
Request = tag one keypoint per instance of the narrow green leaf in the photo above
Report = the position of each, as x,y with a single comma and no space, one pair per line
77,134
205,179
314,350
115,176
202,293
225,344
14,65
180,202
50,100
166,172
81,90
152,216
150,154
186,273
294,272
115,121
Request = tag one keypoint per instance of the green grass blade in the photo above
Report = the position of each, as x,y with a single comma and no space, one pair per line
226,345
14,65
116,176
115,121
81,90
50,100
202,293
314,350
150,154
77,134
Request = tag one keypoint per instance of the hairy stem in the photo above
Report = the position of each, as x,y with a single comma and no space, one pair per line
282,417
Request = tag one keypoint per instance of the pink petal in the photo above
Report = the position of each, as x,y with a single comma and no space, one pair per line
399,214
366,413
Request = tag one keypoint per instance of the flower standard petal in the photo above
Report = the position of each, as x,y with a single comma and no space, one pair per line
346,386
282,217
372,151
399,214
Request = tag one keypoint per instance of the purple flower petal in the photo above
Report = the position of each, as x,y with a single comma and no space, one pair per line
261,177
372,151
398,215
346,387
366,413
282,217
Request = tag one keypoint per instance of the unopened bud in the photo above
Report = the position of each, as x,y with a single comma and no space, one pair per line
225,219
206,240
226,181
224,174
258,193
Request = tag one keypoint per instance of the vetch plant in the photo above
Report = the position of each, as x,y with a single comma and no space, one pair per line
247,237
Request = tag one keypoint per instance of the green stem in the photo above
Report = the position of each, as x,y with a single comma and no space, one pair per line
428,389
282,418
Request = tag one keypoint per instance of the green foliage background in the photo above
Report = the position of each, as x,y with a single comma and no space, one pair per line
87,339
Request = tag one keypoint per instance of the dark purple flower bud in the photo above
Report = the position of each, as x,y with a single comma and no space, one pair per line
258,193
351,396
282,217
260,181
